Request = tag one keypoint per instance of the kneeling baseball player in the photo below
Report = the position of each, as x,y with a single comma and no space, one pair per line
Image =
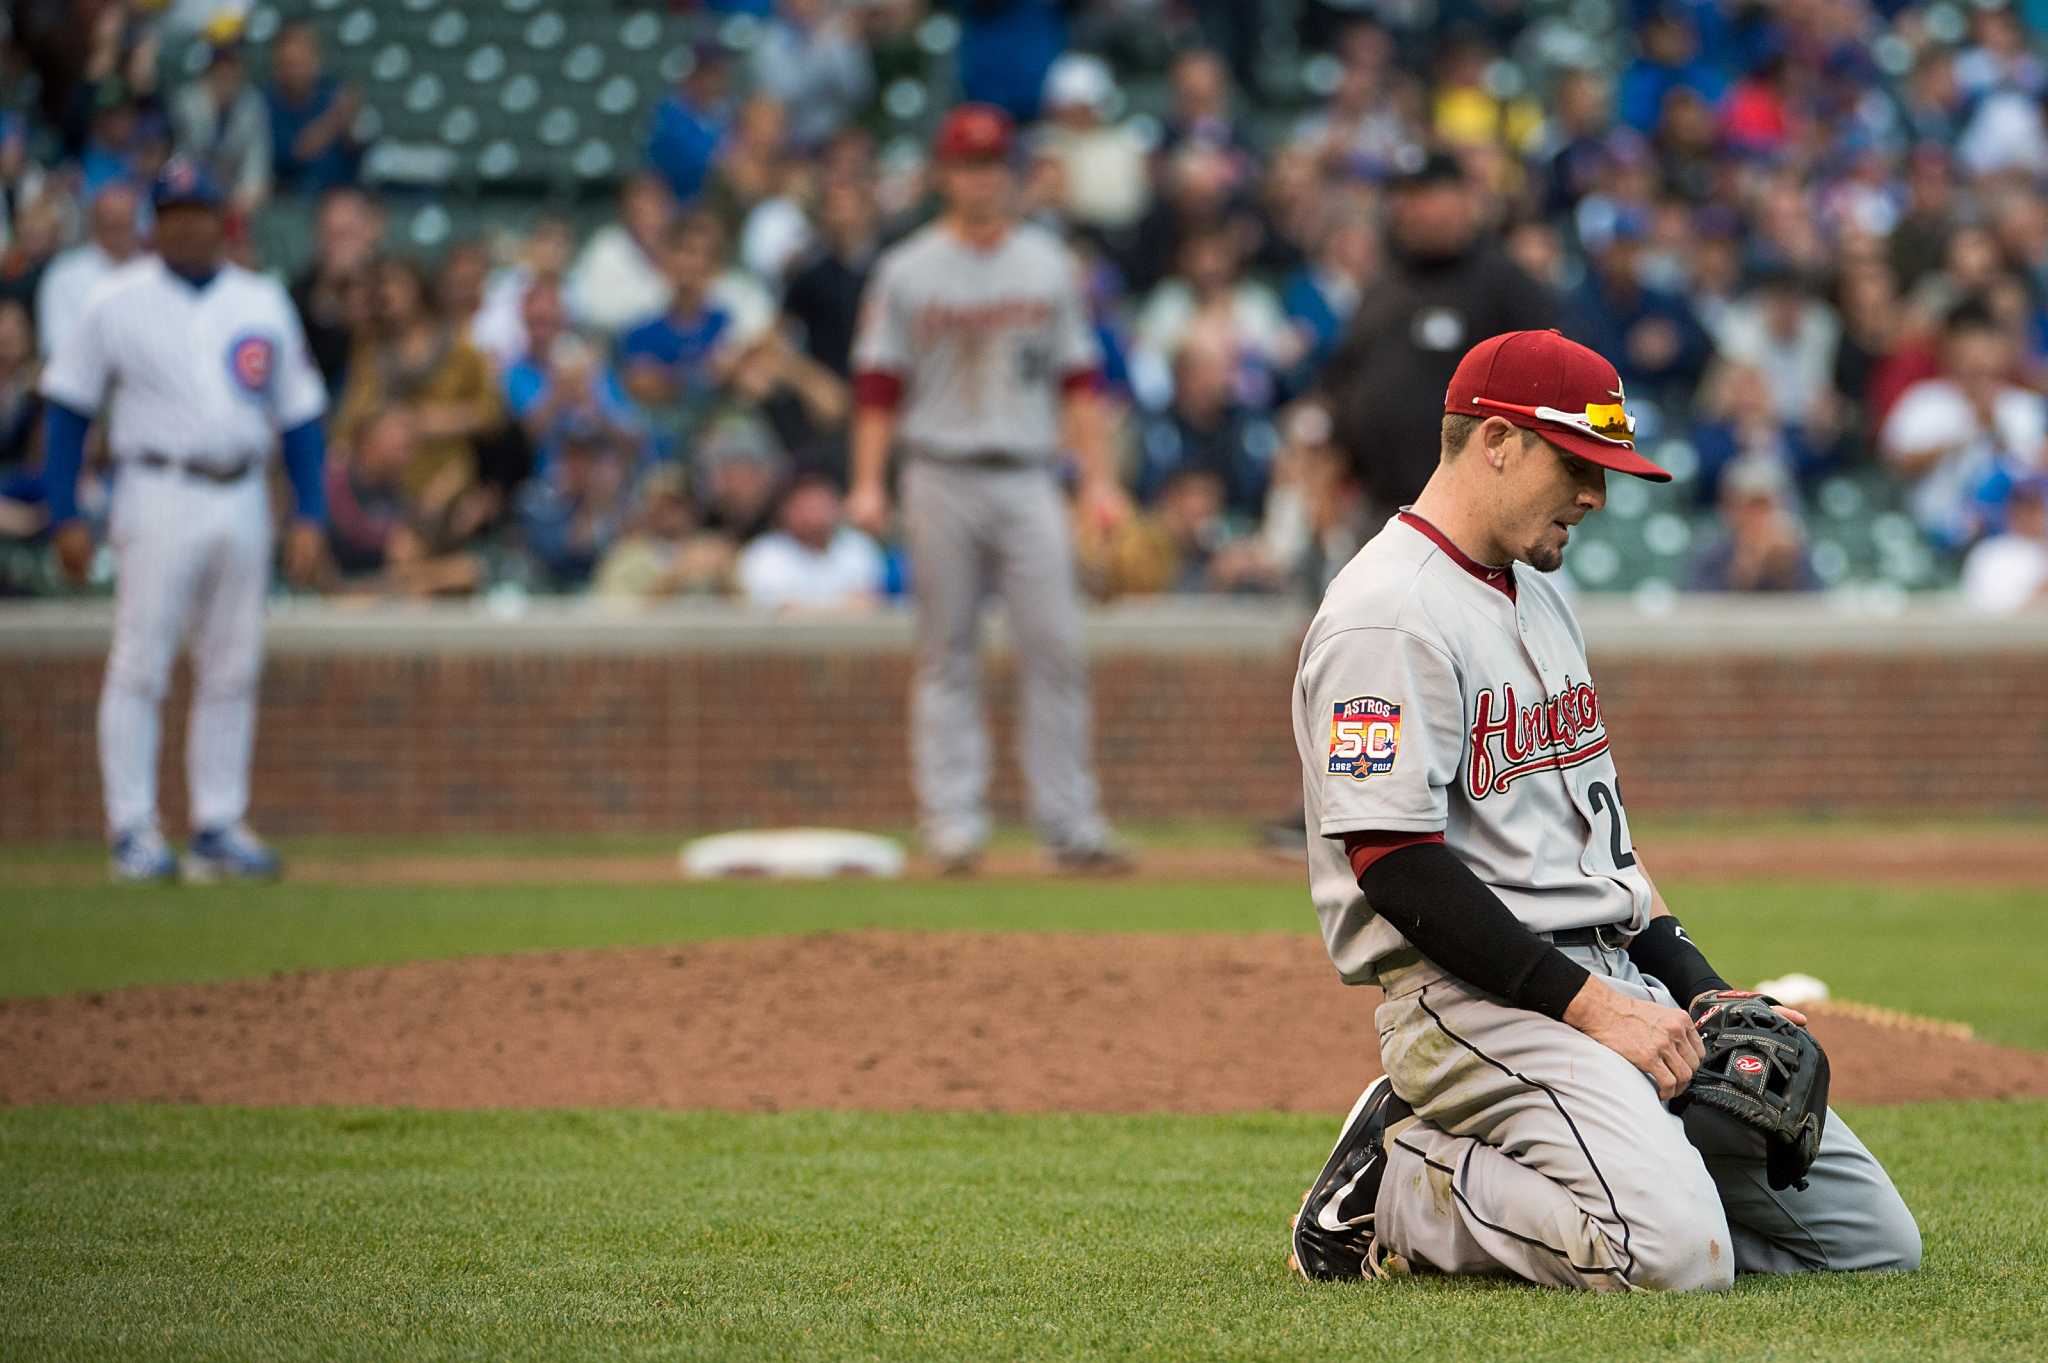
1572,1095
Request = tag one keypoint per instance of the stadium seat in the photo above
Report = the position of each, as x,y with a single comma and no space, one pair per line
450,29
545,31
584,63
485,65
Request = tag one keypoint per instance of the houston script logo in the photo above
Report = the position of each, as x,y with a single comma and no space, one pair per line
1510,742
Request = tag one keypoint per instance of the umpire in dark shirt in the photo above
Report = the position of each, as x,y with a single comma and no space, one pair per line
823,294
1446,285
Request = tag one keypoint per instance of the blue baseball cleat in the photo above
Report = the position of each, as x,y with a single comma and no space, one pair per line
141,856
229,853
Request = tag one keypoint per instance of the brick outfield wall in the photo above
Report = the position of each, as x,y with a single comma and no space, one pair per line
423,744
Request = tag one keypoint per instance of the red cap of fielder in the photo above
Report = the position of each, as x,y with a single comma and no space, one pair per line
974,132
1557,388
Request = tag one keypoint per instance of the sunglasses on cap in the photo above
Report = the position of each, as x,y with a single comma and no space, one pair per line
1608,421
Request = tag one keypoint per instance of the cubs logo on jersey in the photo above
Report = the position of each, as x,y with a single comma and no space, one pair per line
252,363
1365,737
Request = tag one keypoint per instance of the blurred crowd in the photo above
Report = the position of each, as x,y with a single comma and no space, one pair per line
1811,234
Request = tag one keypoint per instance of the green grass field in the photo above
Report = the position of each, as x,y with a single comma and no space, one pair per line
193,1233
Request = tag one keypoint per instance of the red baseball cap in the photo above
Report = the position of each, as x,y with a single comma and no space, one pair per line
1556,387
974,132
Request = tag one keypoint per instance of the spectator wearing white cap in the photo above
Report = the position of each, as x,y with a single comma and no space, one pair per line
2009,571
1103,165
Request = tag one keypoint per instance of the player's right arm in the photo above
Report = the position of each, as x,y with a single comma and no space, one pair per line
73,384
881,368
1386,781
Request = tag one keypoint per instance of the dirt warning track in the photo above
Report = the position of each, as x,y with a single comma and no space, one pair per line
1026,1022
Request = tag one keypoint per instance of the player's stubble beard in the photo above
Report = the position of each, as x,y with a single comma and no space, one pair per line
1555,500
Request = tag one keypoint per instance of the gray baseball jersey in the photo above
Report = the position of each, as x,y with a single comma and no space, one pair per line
1429,699
981,340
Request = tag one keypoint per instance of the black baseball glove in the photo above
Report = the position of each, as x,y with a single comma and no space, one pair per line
1762,1088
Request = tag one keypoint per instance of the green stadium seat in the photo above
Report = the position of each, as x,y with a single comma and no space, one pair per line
905,100
499,161
594,161
1667,535
449,29
459,126
519,95
486,65
1830,561
740,32
1628,499
356,29
1594,565
424,94
1679,459
585,63
558,127
545,31
617,96
640,32
283,234
1840,497
429,227
939,35
392,64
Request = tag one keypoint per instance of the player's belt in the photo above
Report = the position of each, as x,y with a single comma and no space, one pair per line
982,459
1608,936
192,468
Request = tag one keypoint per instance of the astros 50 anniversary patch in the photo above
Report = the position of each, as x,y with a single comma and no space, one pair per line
1365,736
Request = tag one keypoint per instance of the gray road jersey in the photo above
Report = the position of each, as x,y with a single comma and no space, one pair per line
981,339
1428,700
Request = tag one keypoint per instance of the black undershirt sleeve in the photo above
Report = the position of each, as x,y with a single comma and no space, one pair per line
1451,917
1662,949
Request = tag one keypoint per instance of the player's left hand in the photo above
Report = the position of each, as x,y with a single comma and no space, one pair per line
1791,1015
73,543
305,551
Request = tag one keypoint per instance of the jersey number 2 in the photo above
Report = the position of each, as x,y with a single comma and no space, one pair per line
1607,802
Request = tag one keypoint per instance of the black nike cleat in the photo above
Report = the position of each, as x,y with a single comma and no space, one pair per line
1332,1234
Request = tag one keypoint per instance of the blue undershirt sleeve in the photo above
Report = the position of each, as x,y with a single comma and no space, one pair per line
305,461
64,431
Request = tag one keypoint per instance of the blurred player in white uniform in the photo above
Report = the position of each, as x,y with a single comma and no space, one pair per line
201,366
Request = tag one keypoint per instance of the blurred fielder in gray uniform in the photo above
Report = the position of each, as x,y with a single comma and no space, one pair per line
974,350
1468,852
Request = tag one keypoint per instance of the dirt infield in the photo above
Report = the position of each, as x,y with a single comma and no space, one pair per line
878,1020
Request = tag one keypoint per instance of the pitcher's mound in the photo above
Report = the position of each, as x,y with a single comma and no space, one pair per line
1014,1022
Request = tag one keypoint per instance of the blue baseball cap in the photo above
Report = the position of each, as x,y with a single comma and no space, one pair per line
184,181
